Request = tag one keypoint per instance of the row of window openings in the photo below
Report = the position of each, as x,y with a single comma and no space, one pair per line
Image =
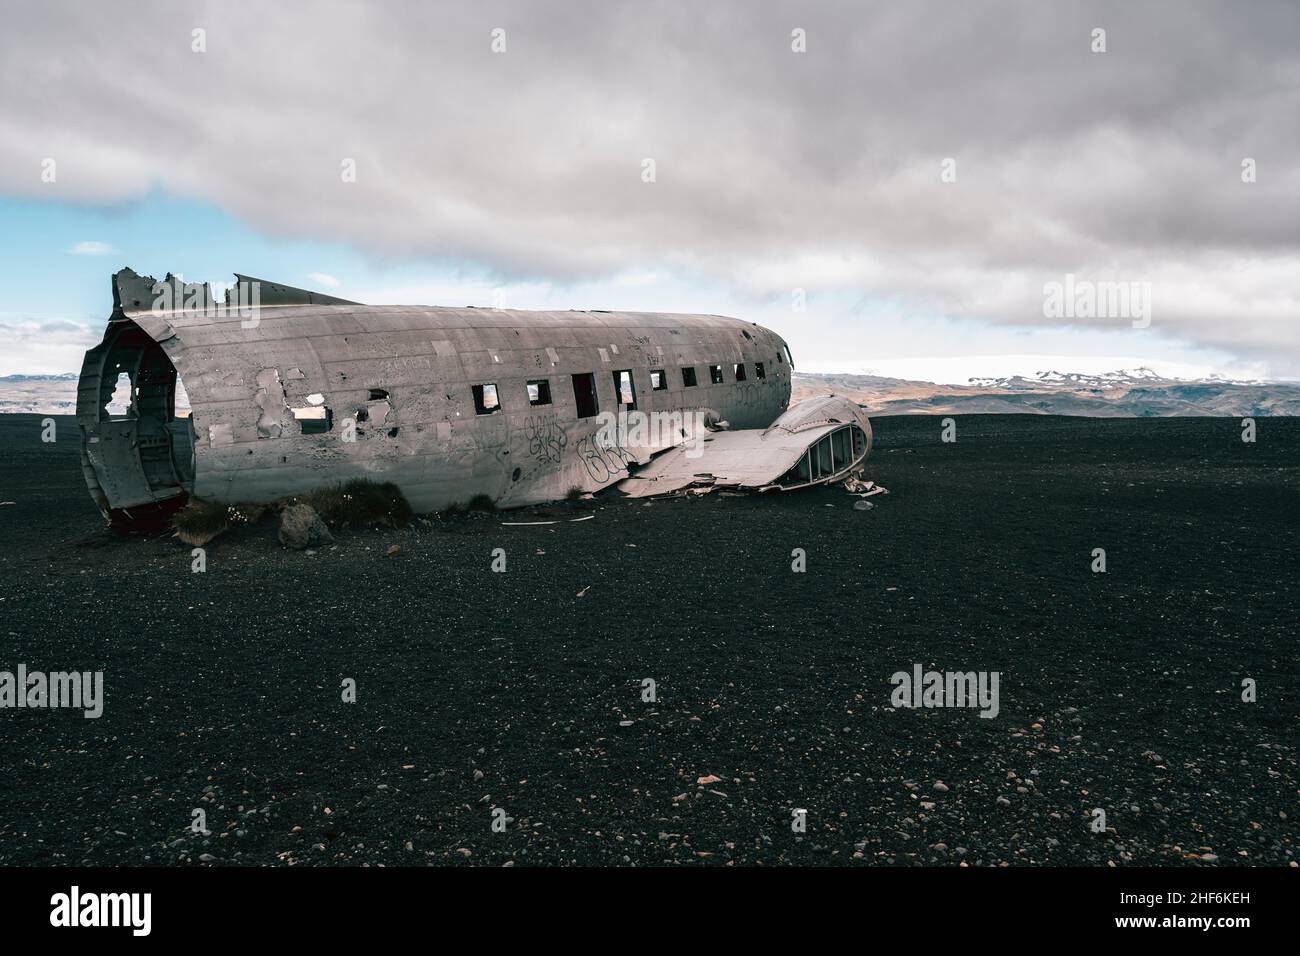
487,399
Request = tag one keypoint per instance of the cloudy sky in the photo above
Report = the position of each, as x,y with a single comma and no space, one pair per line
921,171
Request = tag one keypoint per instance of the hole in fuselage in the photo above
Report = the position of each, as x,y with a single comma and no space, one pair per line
123,397
142,434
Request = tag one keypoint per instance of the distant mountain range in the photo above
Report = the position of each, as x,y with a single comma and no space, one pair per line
62,377
1134,393
1131,393
40,394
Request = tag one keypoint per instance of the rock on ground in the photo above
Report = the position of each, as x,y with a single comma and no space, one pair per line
301,527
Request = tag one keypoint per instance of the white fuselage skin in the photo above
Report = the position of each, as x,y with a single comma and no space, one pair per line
402,394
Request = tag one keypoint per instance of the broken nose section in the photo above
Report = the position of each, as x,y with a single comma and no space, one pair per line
137,440
816,442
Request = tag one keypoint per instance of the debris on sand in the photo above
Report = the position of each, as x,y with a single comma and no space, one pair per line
301,527
863,489
534,524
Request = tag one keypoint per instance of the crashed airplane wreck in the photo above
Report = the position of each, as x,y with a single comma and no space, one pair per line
290,391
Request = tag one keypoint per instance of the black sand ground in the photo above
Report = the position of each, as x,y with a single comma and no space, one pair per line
522,690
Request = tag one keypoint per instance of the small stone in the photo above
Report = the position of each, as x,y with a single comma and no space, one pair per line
301,527
941,786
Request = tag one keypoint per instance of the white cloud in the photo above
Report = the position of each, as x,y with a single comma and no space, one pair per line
324,279
43,346
91,247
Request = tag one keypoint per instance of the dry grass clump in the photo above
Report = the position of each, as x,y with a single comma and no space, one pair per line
200,521
360,502
353,504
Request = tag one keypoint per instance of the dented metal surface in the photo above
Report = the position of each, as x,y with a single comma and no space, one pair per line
766,459
308,390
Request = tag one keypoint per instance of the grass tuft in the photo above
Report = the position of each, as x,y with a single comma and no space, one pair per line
200,521
360,502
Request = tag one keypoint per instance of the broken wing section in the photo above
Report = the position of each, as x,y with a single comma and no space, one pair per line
814,443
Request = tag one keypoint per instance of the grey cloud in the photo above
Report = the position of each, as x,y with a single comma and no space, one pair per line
774,169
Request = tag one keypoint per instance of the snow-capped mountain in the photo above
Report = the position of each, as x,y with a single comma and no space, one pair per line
1122,378
1138,392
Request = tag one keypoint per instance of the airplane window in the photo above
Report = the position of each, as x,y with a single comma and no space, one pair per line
688,376
759,370
539,392
658,379
485,399
314,421
715,374
740,371
624,388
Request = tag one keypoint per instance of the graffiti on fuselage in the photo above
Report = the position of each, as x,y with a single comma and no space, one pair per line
602,455
546,439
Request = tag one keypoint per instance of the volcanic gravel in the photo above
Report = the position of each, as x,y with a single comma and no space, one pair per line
521,692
